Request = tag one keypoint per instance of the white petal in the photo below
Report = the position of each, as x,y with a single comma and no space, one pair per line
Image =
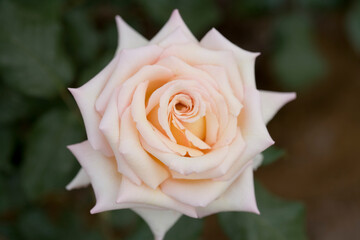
109,125
155,198
194,54
175,21
104,177
253,130
245,59
128,37
130,62
159,221
85,97
195,193
257,161
176,37
150,171
80,180
272,102
240,196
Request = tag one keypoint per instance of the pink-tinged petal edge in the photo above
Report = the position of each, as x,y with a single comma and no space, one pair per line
272,102
159,221
80,180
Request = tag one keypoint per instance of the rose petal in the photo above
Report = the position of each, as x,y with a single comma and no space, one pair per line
80,180
257,161
219,74
245,59
148,170
85,97
188,165
175,21
131,193
128,37
130,62
109,126
253,130
194,193
240,196
193,54
234,155
176,37
159,221
142,124
103,175
272,102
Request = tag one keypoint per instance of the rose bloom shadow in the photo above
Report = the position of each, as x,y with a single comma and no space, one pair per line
174,126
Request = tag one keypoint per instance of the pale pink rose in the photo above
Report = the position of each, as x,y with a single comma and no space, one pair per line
175,126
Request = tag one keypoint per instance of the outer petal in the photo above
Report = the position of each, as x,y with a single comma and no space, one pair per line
80,180
154,198
175,21
176,37
271,102
150,171
195,193
85,97
245,59
253,130
130,62
239,197
128,37
159,221
109,125
103,175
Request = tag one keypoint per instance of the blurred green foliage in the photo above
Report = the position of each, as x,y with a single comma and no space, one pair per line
49,45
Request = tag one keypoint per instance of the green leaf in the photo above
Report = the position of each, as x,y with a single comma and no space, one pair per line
278,220
199,15
34,224
272,154
7,141
13,105
48,164
296,62
353,25
12,192
193,228
31,59
82,38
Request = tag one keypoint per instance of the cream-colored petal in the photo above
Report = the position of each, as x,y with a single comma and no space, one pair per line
219,74
101,170
272,102
253,130
80,180
176,37
159,221
130,62
234,155
138,112
128,37
188,165
110,127
240,196
257,161
195,193
175,21
245,59
131,193
146,168
85,97
194,54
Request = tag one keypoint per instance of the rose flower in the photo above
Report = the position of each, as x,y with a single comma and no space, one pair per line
175,126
